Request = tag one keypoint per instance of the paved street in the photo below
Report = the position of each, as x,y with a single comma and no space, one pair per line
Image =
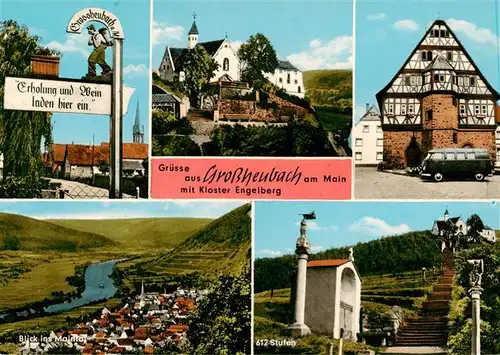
371,184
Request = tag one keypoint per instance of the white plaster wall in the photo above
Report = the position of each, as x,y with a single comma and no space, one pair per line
291,88
320,299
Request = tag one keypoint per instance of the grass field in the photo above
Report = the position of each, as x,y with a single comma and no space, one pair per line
140,234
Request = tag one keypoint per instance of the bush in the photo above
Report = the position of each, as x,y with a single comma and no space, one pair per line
23,187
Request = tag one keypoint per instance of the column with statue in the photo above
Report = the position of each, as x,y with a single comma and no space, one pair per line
302,251
475,291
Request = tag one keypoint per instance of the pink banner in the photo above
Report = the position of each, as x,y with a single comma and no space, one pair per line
251,178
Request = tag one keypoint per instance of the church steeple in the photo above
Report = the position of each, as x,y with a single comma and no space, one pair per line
193,34
138,134
446,215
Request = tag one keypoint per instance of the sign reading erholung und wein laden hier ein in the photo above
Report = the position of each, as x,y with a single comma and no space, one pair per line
60,96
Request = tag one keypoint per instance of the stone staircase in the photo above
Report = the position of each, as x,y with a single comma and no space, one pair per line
429,328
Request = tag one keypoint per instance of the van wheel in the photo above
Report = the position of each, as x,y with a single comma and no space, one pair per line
438,177
479,177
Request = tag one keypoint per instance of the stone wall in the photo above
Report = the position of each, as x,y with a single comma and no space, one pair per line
381,329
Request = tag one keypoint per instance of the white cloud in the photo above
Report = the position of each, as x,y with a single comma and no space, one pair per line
335,54
162,32
377,227
73,44
135,70
268,252
314,226
470,30
376,17
406,25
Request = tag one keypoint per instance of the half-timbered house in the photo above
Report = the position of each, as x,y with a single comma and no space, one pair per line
438,99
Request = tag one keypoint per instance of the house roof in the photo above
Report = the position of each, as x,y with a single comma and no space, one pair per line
87,155
286,65
439,63
442,224
327,263
372,114
381,93
132,165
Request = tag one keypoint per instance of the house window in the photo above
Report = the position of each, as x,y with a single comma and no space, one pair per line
359,142
359,156
436,78
472,81
288,78
441,78
429,115
366,129
225,64
429,55
413,80
449,56
462,110
483,109
379,129
455,101
419,80
460,81
447,33
380,142
410,108
391,108
432,33
296,81
407,80
380,156
298,89
476,110
403,109
280,80
424,55
466,81
443,33
455,137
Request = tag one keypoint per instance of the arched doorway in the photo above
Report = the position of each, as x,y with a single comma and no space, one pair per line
468,145
413,153
348,303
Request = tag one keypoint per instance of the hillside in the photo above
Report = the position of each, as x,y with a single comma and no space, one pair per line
329,87
23,233
220,247
396,254
153,233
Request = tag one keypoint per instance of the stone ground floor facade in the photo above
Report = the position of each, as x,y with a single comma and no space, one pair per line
409,147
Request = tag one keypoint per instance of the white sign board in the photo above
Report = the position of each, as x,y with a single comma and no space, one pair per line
82,17
27,94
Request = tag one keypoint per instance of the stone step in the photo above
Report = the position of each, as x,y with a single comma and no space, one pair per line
404,333
421,342
436,304
421,338
424,326
440,288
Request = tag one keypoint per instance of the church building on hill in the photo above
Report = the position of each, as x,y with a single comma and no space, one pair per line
438,99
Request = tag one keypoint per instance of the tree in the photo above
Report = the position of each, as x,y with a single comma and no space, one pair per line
22,133
221,323
475,225
199,68
257,57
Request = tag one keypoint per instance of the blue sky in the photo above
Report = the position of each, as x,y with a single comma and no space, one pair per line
388,31
118,209
312,35
48,20
347,223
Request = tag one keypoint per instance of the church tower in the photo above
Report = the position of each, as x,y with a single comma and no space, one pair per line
193,34
446,215
138,134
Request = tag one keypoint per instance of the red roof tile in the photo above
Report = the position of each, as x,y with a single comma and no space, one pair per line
327,263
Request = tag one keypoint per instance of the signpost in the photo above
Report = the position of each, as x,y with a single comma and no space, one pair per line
68,96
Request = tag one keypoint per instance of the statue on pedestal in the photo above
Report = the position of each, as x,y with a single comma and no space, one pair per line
476,274
99,40
302,244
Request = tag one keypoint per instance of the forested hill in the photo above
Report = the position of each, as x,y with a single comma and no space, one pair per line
395,254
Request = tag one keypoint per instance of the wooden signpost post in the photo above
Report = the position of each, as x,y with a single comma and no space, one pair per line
93,94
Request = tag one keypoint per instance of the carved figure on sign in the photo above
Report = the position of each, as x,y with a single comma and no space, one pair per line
99,40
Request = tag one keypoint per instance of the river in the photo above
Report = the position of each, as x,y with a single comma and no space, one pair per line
98,286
